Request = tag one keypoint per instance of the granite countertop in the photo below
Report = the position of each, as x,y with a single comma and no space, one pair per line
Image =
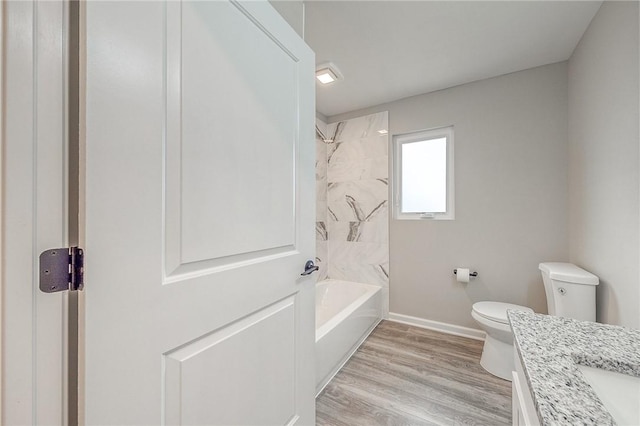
550,347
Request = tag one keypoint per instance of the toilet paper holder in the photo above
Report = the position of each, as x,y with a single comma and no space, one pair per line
471,274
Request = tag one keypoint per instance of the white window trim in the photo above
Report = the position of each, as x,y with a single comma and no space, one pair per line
398,141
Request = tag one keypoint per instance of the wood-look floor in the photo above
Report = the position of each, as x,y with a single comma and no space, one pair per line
405,375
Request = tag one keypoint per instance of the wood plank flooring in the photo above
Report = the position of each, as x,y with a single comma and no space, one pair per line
405,375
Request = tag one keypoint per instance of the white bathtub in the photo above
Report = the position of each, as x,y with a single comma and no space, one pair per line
346,312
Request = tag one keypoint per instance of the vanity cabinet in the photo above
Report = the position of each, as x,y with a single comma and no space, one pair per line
524,411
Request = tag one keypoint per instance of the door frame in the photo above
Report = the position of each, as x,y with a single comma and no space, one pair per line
2,284
33,209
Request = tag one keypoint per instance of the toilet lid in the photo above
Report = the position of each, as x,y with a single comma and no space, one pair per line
497,311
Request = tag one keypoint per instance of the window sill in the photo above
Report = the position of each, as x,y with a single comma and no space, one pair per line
424,217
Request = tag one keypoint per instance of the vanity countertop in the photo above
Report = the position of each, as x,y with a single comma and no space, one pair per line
550,348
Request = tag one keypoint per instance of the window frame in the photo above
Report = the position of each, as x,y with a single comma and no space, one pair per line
419,136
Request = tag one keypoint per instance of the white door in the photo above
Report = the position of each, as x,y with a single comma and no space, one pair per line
199,215
33,214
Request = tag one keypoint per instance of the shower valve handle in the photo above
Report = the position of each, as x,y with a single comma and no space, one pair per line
309,268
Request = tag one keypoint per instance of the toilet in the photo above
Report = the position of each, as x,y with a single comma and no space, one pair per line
570,292
497,354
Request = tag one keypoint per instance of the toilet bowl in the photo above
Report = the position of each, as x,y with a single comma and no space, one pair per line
497,354
570,293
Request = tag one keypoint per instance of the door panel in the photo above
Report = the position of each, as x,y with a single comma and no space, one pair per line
215,61
199,215
229,360
220,57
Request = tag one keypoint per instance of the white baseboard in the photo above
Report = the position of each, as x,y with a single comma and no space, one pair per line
443,327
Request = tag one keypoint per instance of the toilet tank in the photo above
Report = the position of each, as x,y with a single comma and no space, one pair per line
570,290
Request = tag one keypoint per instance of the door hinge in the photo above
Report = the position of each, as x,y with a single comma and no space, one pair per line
61,269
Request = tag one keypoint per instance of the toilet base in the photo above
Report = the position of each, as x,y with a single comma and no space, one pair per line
497,358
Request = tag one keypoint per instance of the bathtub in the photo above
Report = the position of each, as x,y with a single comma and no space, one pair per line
346,312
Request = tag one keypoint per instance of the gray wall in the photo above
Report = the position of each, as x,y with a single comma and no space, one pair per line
293,12
604,160
511,184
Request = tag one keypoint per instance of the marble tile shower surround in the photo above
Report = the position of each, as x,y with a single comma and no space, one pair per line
322,250
353,201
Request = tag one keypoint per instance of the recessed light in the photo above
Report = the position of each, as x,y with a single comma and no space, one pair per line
383,131
325,77
327,73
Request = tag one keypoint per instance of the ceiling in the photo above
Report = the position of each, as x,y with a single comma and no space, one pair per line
389,50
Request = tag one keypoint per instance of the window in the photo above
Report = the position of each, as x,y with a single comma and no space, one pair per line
423,175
